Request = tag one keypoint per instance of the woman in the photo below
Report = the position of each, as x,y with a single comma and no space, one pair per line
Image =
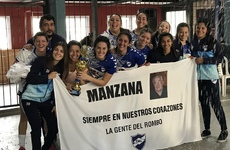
208,54
164,26
27,57
165,51
181,43
74,48
142,22
142,44
127,57
115,28
101,64
38,99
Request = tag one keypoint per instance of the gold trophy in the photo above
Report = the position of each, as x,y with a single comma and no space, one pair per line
81,65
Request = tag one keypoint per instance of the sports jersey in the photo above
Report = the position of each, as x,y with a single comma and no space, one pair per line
144,51
98,68
130,59
112,38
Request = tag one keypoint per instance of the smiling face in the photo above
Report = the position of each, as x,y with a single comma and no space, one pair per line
74,53
58,53
144,39
164,27
183,33
101,50
40,43
141,20
115,23
166,43
123,43
201,30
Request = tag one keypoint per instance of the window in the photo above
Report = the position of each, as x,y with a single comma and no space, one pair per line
174,18
77,27
5,33
35,24
128,21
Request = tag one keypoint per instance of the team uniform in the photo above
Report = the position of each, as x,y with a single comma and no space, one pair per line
26,57
145,51
134,36
184,50
38,100
208,80
131,59
112,38
98,68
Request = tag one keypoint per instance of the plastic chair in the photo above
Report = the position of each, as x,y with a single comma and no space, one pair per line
225,76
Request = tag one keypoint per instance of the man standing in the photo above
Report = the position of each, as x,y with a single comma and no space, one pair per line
47,25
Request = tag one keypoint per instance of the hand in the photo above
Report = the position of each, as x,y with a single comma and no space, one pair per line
199,60
147,64
191,57
54,110
52,75
82,75
69,87
150,46
28,46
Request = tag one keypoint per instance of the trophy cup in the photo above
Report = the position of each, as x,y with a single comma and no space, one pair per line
81,65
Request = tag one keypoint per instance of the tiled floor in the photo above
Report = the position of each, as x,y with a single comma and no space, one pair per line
9,133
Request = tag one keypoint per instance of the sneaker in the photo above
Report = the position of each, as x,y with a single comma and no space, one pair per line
22,148
223,136
206,133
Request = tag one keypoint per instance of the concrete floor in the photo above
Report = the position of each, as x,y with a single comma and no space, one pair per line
9,133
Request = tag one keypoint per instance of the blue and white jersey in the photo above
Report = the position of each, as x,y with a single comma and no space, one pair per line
208,69
130,59
98,68
134,36
144,51
112,38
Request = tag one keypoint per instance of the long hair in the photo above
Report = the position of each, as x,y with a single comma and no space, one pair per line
101,39
172,49
63,62
70,44
209,40
148,30
127,33
156,33
181,25
147,17
121,29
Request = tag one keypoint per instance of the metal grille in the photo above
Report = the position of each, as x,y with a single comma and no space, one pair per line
84,17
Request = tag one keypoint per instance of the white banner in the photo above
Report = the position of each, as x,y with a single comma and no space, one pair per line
123,116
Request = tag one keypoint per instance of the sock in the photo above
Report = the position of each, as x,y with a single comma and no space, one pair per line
22,139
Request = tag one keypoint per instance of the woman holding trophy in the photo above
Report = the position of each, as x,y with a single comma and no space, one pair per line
101,64
74,48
